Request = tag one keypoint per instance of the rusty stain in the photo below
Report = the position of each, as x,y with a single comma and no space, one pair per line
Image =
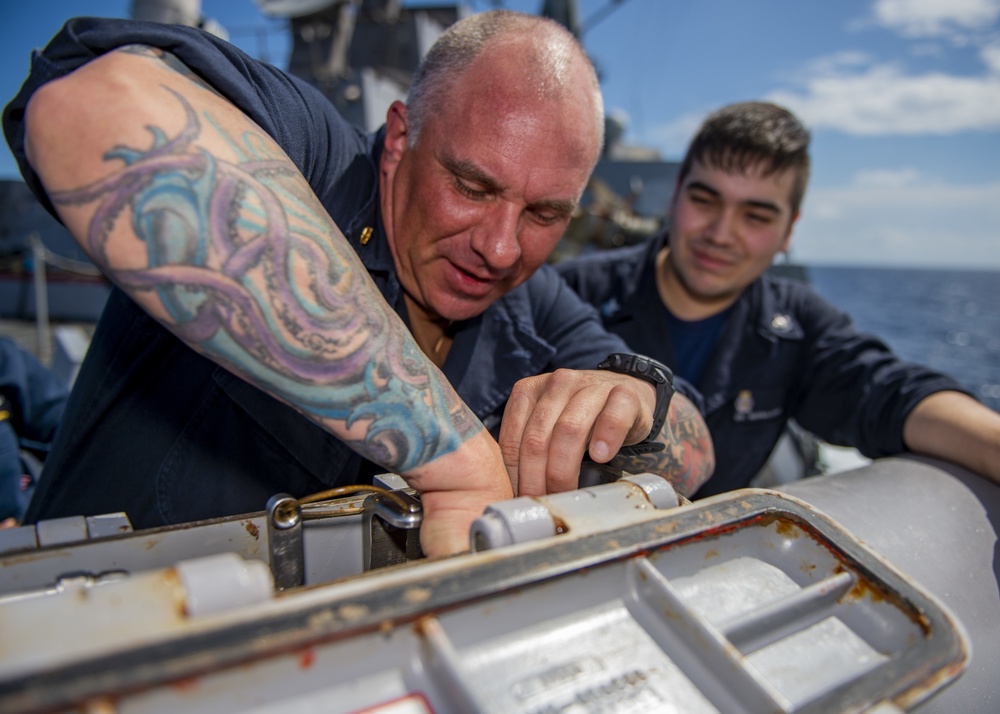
353,611
172,582
307,658
863,589
386,627
713,553
185,685
560,525
422,625
252,529
787,529
416,595
928,685
790,526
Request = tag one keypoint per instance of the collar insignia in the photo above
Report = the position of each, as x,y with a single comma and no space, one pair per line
744,402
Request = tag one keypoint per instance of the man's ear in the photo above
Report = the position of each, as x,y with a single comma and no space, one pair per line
787,242
397,133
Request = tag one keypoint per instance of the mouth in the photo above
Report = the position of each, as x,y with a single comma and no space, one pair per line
470,283
710,260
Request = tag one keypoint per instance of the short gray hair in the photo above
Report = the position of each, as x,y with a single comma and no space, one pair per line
457,48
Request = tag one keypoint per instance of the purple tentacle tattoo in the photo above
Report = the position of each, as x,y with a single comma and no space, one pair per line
246,266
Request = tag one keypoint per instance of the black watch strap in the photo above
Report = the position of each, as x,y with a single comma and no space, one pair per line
660,377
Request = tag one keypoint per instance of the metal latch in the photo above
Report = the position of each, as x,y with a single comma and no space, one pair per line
391,529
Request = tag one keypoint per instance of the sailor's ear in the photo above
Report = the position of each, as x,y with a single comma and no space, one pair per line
397,132
787,242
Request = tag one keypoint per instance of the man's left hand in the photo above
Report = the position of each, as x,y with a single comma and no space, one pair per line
553,420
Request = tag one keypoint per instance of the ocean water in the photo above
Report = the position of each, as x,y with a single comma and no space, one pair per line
948,320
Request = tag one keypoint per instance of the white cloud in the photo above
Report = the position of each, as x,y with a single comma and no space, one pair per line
932,18
991,57
838,62
881,100
887,178
850,92
917,225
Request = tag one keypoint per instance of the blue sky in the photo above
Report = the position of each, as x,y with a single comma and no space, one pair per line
902,96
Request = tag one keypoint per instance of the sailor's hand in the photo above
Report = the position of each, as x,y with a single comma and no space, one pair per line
455,490
553,420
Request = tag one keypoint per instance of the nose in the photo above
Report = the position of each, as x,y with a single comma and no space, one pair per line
721,226
496,238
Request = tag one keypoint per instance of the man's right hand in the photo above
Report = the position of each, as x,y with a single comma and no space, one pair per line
455,490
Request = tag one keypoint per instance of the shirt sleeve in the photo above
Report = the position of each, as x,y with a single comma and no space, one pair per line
303,122
856,391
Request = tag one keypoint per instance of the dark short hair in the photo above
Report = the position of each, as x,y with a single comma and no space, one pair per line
744,135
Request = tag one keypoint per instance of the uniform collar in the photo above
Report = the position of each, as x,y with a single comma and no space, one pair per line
636,302
365,230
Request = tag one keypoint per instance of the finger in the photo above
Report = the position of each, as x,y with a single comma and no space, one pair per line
614,425
515,415
567,408
533,453
553,391
570,438
524,433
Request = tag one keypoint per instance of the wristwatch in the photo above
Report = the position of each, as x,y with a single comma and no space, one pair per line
660,377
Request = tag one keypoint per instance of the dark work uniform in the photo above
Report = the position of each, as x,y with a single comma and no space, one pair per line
162,433
784,353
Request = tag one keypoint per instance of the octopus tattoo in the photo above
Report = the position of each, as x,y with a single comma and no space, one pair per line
244,264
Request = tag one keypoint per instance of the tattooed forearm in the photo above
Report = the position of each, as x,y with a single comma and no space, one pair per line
241,261
688,459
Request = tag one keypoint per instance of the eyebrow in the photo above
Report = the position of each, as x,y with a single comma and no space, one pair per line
471,172
765,205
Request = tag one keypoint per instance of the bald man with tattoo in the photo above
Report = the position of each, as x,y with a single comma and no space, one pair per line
300,305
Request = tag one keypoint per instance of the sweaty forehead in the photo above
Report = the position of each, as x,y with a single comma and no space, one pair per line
514,76
513,145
